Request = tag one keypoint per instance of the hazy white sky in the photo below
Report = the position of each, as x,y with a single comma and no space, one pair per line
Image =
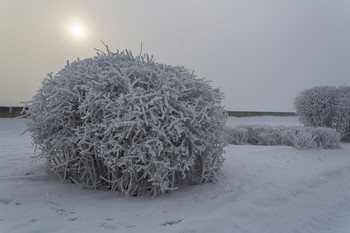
261,54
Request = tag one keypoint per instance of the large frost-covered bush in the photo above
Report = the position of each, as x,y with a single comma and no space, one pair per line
325,106
130,123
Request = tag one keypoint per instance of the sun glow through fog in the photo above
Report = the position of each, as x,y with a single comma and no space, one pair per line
77,31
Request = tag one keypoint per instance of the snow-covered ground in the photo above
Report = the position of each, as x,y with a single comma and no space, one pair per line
262,189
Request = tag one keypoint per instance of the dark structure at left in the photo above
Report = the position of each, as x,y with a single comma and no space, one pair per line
6,112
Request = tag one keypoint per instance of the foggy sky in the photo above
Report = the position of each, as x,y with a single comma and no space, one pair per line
261,54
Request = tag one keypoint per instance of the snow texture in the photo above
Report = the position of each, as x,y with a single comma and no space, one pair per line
138,126
262,189
325,106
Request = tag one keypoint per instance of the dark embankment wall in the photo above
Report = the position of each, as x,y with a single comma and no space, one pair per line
250,113
6,112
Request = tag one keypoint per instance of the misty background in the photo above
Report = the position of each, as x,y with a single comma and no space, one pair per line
261,54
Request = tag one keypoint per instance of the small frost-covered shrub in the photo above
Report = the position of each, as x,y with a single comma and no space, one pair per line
300,137
325,106
326,138
130,123
237,135
254,134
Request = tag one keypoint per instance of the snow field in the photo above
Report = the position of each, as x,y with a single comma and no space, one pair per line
262,189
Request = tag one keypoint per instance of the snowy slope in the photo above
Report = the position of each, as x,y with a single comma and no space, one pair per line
262,189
